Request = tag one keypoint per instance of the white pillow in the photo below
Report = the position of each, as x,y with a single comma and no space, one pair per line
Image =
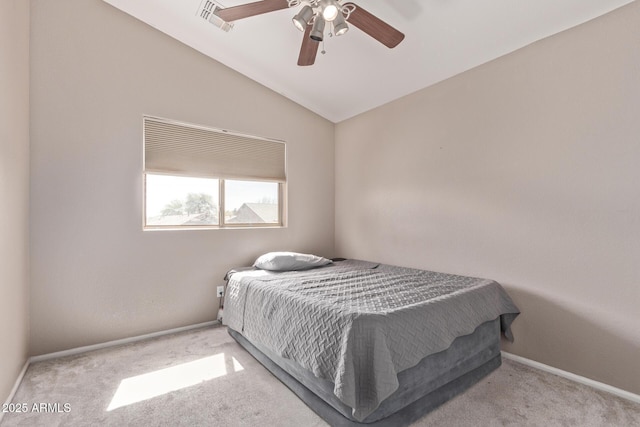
289,261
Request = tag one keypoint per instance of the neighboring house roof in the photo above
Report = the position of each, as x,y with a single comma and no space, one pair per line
256,213
193,219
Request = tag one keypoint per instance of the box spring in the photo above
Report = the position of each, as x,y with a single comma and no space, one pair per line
436,379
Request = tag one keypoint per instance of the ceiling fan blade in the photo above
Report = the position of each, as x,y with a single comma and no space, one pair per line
308,50
375,27
251,9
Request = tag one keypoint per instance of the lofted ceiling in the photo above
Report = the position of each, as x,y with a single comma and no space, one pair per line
356,74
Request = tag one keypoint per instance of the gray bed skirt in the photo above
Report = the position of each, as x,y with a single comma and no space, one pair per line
436,379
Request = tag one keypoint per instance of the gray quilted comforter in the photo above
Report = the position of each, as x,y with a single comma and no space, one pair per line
357,324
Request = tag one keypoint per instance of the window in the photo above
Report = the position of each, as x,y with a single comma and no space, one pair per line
197,177
181,201
251,202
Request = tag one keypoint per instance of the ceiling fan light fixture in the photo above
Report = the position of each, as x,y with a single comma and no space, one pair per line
330,9
317,31
301,20
339,25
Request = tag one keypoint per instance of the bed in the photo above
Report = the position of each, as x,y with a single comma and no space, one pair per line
364,343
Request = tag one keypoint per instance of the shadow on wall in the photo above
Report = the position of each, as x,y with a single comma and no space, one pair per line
550,333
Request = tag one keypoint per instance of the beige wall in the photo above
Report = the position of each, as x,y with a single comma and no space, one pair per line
96,276
524,170
14,191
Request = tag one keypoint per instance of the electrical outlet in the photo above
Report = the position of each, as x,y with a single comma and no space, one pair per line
220,291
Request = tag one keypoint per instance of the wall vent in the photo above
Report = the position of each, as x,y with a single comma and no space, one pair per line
206,11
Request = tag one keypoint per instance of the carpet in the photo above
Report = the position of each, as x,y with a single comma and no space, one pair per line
204,378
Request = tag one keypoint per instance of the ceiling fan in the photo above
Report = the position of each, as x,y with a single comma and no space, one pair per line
314,16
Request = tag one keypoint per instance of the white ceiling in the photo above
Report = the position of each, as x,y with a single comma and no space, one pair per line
443,38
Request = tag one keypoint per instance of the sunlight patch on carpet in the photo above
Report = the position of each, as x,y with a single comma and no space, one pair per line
147,386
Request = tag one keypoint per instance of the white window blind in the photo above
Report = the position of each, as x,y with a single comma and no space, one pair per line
184,149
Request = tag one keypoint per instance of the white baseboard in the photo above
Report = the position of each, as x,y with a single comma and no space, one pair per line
574,377
15,386
80,350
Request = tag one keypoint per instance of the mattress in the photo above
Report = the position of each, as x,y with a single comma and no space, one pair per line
354,327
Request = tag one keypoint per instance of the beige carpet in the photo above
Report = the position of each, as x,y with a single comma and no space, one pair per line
203,378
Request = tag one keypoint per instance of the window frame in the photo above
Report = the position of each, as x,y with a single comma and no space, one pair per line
222,224
220,177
